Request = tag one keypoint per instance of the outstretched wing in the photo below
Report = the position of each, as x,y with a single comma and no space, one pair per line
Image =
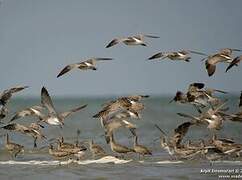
67,113
46,101
67,69
103,59
210,68
196,52
181,131
112,43
233,63
7,94
155,56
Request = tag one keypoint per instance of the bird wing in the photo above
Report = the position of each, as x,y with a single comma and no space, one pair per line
7,94
196,52
67,69
103,59
150,36
113,42
234,63
34,110
20,114
67,113
155,56
46,101
210,68
180,132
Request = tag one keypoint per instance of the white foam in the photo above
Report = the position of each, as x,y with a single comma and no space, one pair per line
104,160
169,162
228,162
33,162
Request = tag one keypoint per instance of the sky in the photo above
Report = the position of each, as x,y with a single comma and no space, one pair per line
38,38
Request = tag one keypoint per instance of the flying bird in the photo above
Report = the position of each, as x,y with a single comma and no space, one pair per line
223,55
89,64
53,117
183,55
30,111
131,40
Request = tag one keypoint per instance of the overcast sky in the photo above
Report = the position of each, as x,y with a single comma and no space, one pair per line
38,38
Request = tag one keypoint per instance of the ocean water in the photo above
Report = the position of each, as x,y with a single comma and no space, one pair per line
38,164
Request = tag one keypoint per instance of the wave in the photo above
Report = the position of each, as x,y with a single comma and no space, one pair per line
104,160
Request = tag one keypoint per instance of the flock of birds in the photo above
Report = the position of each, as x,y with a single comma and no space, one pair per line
116,114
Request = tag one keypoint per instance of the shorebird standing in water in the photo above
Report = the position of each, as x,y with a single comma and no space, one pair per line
53,117
140,149
75,149
118,148
5,96
58,153
131,40
13,148
88,64
235,62
224,55
96,150
183,55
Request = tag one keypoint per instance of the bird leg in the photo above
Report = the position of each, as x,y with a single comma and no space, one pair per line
35,143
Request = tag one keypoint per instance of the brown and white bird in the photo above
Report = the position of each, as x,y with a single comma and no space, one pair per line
214,118
198,96
12,147
173,144
57,153
89,64
115,123
5,96
118,148
183,55
224,55
123,107
235,62
53,117
33,130
30,111
96,150
131,40
138,148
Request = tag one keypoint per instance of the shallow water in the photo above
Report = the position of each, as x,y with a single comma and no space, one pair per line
38,164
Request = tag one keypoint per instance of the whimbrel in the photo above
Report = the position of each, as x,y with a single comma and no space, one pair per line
131,40
84,65
13,148
183,55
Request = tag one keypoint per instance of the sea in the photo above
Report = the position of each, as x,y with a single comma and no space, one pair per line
36,163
